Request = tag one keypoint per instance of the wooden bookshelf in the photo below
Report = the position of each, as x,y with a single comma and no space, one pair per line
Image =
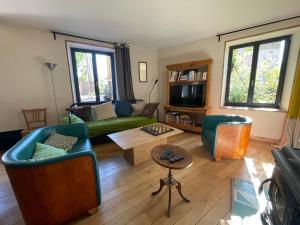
185,109
195,72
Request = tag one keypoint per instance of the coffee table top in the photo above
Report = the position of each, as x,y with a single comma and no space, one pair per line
184,163
134,137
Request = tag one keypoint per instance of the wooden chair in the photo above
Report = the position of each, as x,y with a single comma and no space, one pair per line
34,118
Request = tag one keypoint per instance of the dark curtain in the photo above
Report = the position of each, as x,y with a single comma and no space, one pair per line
123,77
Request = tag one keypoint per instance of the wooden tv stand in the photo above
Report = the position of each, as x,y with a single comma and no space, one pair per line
188,118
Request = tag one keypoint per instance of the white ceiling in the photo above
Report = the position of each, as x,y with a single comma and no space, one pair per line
155,23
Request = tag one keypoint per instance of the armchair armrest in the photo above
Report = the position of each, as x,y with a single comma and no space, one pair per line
79,130
212,121
11,161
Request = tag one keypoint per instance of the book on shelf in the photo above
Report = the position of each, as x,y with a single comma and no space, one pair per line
204,75
173,75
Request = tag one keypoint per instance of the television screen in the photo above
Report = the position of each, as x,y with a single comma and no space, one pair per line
187,95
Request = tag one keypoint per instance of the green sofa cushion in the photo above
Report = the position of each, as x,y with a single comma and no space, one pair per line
43,151
74,119
100,127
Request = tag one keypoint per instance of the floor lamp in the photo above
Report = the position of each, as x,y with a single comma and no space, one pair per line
51,67
149,97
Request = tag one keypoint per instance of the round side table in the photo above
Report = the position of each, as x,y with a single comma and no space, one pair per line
170,181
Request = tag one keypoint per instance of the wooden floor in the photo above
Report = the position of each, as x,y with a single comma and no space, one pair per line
126,190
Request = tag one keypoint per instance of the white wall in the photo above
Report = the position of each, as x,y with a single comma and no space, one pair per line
266,124
26,83
141,90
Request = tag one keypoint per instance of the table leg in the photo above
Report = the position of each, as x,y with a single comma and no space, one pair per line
169,182
169,206
178,186
162,183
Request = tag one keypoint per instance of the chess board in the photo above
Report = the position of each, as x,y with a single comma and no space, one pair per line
156,129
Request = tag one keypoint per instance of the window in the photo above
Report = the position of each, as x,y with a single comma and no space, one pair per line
93,75
255,73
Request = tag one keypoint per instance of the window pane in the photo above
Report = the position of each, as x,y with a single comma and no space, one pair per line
240,74
104,77
268,71
85,73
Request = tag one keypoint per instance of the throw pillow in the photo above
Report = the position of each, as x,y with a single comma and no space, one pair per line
83,112
61,141
149,109
138,107
43,151
104,111
123,108
74,119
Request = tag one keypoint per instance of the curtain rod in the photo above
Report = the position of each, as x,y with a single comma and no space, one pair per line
260,25
77,36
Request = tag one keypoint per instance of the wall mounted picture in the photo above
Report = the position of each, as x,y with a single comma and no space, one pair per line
143,72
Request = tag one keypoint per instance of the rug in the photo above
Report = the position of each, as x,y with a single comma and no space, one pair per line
245,203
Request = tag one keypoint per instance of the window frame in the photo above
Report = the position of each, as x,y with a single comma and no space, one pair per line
252,79
75,75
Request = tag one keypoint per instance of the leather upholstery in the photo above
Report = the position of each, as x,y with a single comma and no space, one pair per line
213,132
41,186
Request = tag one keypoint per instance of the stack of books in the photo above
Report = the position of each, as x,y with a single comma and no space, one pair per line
175,76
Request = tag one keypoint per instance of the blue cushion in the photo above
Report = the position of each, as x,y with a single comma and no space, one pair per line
123,108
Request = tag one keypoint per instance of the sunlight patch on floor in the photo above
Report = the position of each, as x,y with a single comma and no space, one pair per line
256,177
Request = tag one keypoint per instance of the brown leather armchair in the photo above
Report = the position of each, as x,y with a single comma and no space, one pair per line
57,190
226,136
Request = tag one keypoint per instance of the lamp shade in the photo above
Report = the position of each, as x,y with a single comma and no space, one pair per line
51,66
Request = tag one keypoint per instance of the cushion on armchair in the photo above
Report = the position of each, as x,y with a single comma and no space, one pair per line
43,151
61,141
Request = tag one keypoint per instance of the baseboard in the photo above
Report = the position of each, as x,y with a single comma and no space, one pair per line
264,139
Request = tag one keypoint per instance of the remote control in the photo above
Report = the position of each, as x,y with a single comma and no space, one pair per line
170,156
166,153
176,158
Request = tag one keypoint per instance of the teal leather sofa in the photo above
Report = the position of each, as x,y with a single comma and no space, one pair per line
56,190
226,136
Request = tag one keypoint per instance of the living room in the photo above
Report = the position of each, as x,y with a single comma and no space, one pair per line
133,97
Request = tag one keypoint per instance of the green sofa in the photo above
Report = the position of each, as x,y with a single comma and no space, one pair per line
108,126
102,127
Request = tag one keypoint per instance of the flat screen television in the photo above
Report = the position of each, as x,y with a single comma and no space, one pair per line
188,95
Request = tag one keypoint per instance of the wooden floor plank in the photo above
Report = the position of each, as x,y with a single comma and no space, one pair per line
126,190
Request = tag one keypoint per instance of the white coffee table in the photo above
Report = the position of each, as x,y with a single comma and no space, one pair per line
137,144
